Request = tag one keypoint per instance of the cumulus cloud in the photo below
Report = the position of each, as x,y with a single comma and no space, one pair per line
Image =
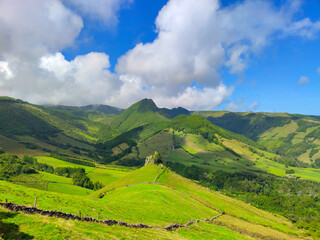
32,28
196,99
32,34
318,70
101,10
29,30
303,80
82,80
196,38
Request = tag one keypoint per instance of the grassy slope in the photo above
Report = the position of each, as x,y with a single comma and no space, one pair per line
126,190
195,150
93,119
172,199
50,182
61,124
59,163
160,142
188,133
105,175
54,183
37,130
141,113
230,206
23,226
273,130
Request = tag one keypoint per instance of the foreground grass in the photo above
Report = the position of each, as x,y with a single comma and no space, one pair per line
230,206
150,195
19,225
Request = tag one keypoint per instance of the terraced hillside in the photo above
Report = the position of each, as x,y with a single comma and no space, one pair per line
151,195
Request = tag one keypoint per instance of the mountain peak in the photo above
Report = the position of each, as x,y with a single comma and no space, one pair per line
146,105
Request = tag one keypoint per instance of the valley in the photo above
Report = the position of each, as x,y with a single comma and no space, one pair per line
92,159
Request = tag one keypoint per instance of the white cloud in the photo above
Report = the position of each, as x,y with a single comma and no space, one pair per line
133,89
5,71
101,10
179,68
196,99
82,80
34,27
196,38
318,70
305,28
236,60
29,30
32,34
303,80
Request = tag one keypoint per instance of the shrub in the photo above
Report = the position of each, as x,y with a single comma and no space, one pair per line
289,171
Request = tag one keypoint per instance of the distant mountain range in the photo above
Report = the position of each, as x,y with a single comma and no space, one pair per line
294,137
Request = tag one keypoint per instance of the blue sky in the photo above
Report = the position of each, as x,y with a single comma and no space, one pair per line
245,55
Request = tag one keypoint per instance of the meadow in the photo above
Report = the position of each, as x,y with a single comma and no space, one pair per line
151,189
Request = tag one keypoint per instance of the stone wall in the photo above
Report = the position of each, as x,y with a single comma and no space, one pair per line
68,216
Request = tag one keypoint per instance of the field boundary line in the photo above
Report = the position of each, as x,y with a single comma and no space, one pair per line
110,222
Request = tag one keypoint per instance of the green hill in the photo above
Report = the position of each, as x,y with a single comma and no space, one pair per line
151,189
38,130
293,136
140,113
107,143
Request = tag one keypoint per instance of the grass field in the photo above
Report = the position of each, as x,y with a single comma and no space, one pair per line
54,178
279,132
59,163
21,226
104,175
231,206
107,175
256,230
155,204
50,182
136,198
279,170
68,189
